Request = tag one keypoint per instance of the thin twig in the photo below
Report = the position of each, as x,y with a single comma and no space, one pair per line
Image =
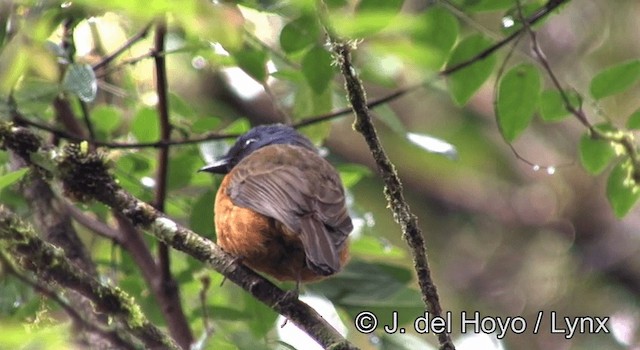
173,310
534,18
550,6
128,44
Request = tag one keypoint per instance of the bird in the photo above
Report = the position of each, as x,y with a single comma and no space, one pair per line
280,208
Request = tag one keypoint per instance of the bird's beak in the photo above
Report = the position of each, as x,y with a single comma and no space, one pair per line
219,166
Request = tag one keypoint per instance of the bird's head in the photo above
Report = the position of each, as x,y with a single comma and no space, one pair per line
254,139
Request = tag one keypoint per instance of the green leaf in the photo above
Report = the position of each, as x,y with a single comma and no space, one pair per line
437,31
633,122
372,247
465,82
364,283
407,302
352,173
238,126
12,177
387,6
34,96
370,17
181,107
484,5
615,79
518,96
253,61
145,125
205,124
182,167
201,218
80,80
262,317
374,15
622,190
308,103
299,34
316,67
14,62
106,119
595,154
511,20
552,106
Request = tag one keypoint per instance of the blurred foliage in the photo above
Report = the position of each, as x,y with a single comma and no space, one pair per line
503,238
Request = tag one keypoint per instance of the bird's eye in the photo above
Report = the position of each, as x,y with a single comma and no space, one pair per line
248,142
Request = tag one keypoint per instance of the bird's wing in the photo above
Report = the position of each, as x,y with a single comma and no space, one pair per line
301,190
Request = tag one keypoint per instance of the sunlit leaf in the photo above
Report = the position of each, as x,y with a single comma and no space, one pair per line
12,177
552,106
371,17
595,154
374,247
205,124
436,31
352,173
145,125
633,122
622,191
466,81
180,106
51,337
13,63
483,5
518,96
615,79
106,119
213,21
433,145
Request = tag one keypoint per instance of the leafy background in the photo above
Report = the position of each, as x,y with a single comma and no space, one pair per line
549,228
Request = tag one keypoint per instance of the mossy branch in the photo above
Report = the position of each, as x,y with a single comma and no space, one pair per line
49,263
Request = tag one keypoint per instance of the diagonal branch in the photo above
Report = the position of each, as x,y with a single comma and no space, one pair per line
127,45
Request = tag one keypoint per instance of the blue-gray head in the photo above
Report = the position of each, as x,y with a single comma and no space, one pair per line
254,139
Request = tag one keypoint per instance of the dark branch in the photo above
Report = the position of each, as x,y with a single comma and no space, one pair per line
134,39
172,308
